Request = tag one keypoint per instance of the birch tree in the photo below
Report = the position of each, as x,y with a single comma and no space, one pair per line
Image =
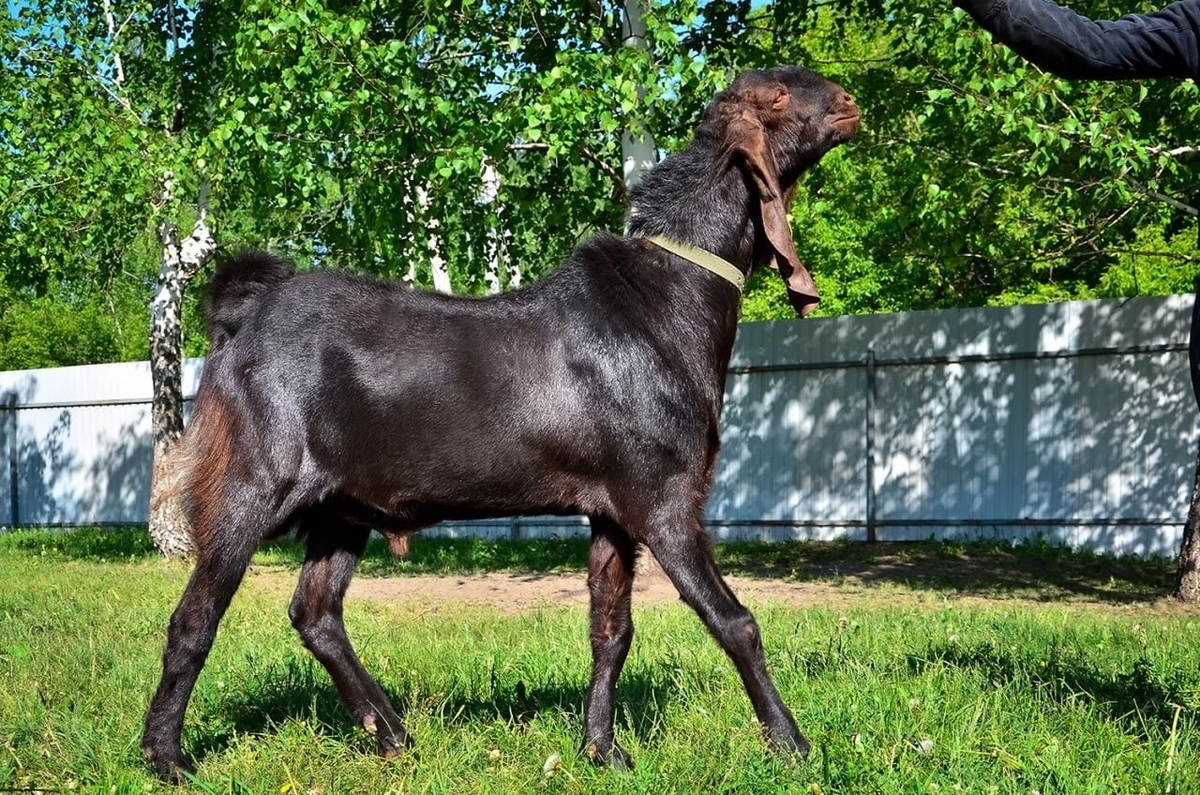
101,167
637,143
179,262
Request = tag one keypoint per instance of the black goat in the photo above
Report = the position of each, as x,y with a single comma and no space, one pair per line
340,403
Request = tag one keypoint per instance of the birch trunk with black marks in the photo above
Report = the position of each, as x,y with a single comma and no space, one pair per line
1187,576
637,143
169,528
496,243
433,244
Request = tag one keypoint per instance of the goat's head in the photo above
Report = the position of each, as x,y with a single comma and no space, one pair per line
775,124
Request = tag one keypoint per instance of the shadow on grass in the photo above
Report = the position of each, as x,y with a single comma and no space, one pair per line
297,690
1030,571
639,705
1137,698
96,545
301,690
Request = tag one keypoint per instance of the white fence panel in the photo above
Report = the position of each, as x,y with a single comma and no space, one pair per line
1072,422
76,450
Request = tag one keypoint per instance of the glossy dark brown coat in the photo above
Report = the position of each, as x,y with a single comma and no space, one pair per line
338,403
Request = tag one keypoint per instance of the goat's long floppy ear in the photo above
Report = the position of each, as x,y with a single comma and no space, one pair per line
748,138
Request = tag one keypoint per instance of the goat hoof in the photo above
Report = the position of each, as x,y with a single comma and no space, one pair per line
393,747
389,744
620,759
791,744
616,758
171,766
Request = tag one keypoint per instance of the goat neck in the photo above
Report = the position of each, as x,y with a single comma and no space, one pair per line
692,198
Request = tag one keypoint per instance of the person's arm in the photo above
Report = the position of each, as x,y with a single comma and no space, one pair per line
1160,44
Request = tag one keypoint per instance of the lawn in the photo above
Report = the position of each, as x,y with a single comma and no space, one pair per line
941,669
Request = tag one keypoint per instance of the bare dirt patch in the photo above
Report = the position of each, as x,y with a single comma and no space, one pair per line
516,592
886,580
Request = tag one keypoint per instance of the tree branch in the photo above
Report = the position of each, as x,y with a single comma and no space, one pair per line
197,248
112,38
1176,152
1162,197
620,189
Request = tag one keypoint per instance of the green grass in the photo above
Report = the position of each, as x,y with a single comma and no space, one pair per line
1098,696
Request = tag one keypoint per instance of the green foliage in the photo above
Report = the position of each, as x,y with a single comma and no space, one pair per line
74,190
88,149
39,333
1009,185
384,102
354,135
1155,263
977,179
76,323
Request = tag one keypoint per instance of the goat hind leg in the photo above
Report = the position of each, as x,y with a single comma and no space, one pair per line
685,554
218,572
610,582
316,613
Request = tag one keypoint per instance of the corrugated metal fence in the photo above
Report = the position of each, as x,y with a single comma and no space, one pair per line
1073,422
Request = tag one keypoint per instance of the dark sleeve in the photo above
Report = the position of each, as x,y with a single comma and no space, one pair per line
1160,44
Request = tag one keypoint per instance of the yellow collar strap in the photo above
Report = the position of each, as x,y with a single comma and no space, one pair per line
706,260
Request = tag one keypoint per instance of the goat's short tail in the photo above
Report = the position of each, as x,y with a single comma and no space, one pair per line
235,285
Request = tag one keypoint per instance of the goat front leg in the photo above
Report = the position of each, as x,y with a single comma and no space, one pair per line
316,613
685,554
610,582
